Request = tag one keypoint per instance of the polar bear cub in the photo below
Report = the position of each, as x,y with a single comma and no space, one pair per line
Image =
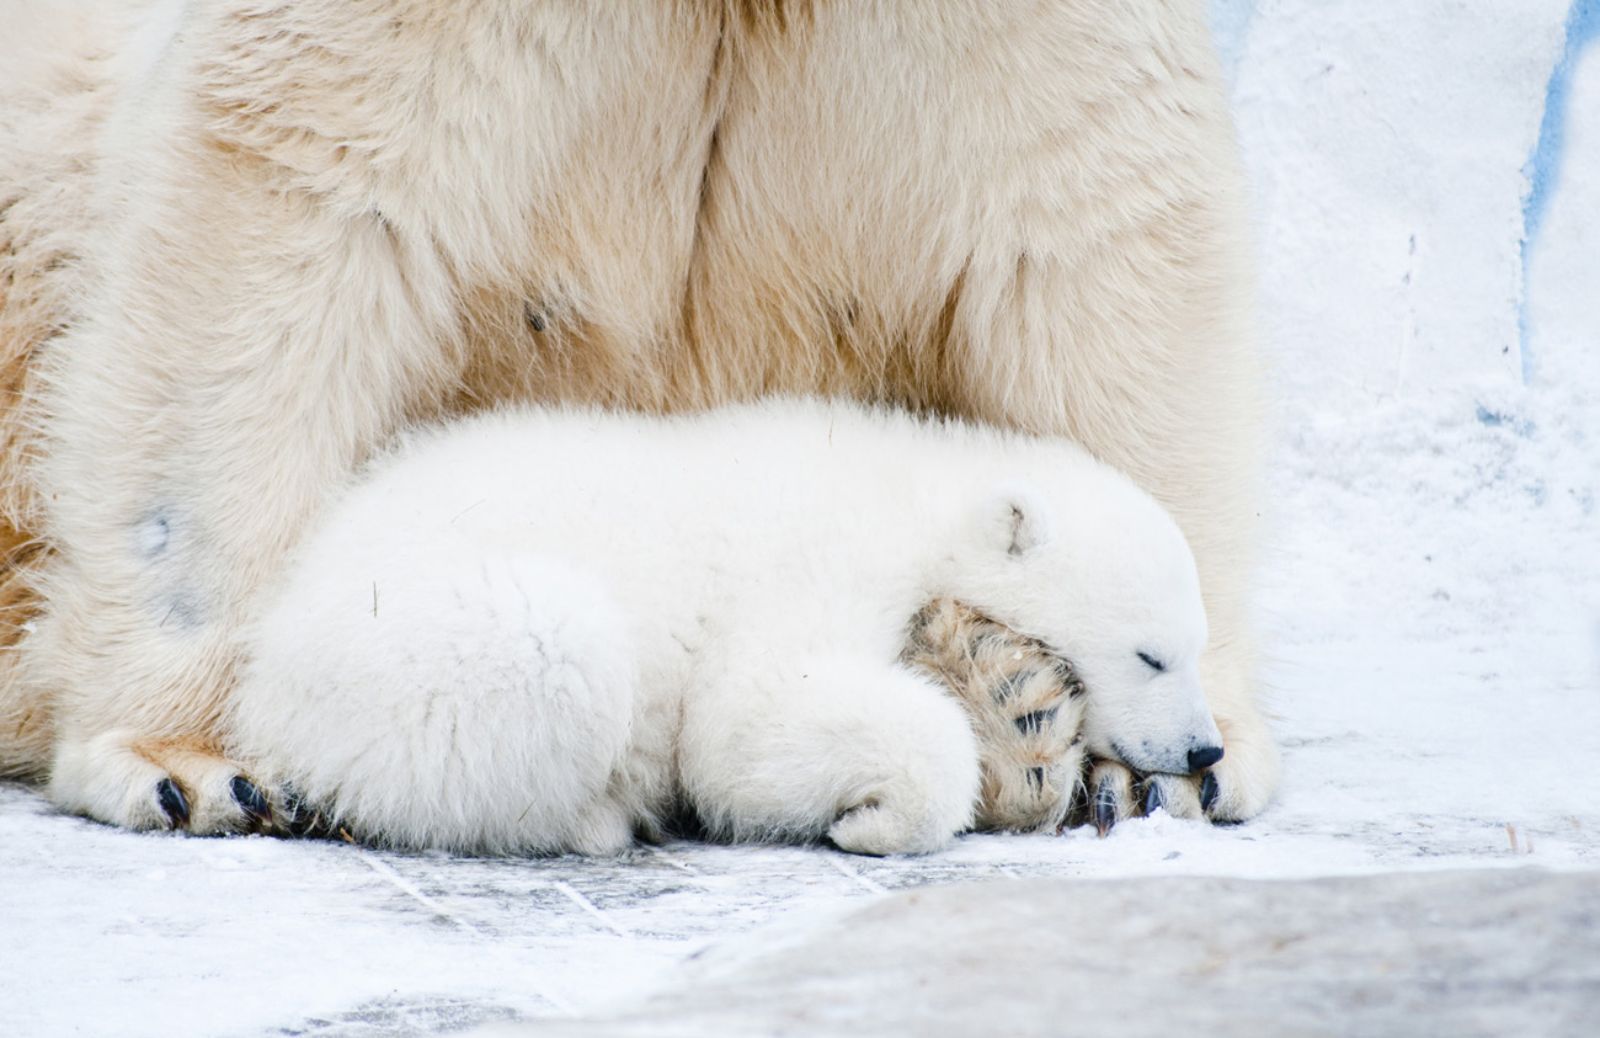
548,630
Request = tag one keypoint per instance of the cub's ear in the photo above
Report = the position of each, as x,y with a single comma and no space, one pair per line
1019,520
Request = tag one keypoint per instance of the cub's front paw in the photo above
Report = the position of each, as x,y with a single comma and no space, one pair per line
1026,707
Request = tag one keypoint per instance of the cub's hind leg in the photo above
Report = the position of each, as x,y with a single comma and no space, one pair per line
441,696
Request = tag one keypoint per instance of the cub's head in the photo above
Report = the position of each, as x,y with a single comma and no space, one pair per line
1100,573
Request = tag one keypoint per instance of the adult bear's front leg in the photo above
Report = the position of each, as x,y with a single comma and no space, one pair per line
1061,251
249,342
1106,296
325,216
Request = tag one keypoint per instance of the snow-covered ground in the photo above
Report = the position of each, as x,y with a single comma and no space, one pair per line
1392,955
1428,186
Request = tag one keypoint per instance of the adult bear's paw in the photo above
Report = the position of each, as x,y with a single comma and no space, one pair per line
1233,789
171,783
1115,793
1026,708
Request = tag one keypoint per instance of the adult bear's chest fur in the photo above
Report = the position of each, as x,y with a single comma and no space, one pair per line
752,202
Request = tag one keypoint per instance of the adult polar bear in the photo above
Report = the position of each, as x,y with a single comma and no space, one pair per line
247,240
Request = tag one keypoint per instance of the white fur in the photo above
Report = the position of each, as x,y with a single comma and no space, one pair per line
298,226
533,630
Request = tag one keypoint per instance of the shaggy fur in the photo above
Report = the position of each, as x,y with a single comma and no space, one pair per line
295,227
538,631
55,76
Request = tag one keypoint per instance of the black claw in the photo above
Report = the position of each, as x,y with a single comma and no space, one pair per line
173,802
300,819
1010,685
1208,792
1105,807
1154,799
1027,724
250,798
296,817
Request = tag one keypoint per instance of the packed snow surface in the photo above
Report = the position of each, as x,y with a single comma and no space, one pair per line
1431,604
1379,955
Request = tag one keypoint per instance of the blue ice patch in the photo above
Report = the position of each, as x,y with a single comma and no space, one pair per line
1230,25
1543,168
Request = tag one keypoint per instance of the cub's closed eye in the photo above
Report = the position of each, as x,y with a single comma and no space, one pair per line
1153,663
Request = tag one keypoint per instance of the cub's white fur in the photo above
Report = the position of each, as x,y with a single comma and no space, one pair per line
534,630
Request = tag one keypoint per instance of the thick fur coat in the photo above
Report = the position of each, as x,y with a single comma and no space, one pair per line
246,241
542,631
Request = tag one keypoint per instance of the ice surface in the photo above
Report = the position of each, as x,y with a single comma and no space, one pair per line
1431,596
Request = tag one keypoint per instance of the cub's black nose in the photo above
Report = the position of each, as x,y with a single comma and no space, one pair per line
1203,757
